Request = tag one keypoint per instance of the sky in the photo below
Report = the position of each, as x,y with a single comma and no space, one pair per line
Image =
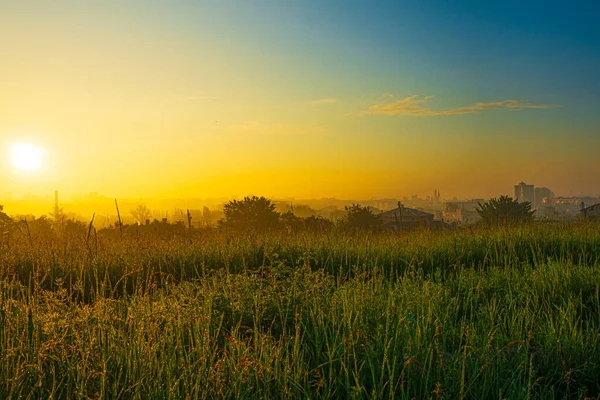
299,98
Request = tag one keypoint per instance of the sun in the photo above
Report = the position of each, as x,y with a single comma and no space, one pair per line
26,157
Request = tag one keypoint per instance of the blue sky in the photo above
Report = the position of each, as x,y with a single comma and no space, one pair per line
350,88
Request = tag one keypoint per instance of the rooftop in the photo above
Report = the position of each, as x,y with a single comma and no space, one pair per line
406,212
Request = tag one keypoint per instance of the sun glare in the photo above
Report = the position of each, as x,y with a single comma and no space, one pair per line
26,157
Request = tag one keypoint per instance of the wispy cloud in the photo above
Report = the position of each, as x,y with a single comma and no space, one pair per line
415,107
329,100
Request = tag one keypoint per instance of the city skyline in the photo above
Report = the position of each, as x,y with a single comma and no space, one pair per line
83,206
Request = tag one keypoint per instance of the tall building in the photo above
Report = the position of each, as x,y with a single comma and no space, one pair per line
524,193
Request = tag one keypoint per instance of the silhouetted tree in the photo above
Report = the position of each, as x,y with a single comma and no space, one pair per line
332,212
251,214
304,211
141,214
283,206
359,217
318,224
505,209
207,216
59,217
291,221
74,228
5,220
41,227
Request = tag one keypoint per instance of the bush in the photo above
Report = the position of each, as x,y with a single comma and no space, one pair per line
251,214
505,210
361,218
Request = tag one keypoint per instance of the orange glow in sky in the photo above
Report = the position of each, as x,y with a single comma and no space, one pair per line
202,99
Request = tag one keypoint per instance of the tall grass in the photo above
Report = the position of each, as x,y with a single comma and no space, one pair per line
501,313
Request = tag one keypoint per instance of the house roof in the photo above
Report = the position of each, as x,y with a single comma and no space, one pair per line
406,212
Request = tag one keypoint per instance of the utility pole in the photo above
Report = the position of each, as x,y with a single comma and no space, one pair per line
400,207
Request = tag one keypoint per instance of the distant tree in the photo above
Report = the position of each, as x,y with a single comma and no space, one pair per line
207,216
318,224
251,214
290,220
283,206
59,216
141,214
361,217
505,209
332,212
304,211
5,220
41,227
74,227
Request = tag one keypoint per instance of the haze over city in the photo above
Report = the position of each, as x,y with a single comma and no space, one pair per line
304,99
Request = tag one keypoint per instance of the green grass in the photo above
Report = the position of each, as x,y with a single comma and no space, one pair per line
503,313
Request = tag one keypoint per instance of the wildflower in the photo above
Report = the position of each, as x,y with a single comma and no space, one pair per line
263,292
258,276
309,291
320,287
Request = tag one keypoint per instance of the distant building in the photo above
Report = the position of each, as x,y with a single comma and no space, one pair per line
382,205
542,197
462,212
524,193
404,218
567,208
591,213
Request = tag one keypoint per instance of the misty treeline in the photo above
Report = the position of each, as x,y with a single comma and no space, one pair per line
252,214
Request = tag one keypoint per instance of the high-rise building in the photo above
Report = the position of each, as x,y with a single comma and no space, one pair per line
524,193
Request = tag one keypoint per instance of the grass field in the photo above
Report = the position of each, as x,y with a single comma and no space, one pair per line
474,314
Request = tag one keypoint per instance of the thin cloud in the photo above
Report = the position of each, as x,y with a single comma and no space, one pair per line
330,100
415,107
